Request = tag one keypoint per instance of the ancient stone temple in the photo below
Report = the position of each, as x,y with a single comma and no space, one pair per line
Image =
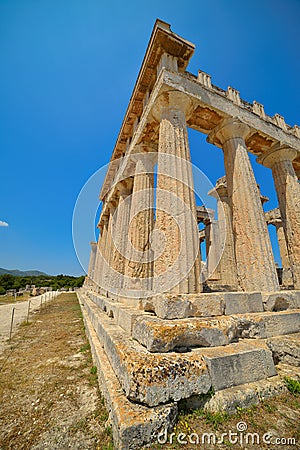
167,324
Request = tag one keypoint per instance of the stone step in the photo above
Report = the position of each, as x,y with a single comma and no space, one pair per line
243,396
202,305
133,425
239,363
159,335
145,377
154,378
169,306
285,349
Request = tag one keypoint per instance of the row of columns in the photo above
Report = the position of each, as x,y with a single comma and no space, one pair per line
175,267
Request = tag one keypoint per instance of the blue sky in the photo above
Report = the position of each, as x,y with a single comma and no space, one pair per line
68,68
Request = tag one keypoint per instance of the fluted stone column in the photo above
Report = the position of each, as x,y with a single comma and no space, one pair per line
287,277
121,234
279,158
227,264
139,269
212,249
108,253
176,265
100,257
92,263
255,262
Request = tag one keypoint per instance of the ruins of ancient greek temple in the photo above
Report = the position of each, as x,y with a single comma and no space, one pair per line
165,321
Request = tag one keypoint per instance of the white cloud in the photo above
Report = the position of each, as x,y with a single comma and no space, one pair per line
3,224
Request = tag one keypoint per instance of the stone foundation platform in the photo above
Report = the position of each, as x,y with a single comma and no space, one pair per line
153,353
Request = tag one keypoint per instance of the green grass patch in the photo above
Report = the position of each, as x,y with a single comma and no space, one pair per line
292,385
93,370
84,348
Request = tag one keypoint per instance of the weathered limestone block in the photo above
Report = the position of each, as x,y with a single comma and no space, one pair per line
207,305
169,306
286,349
264,325
232,398
133,425
238,303
279,158
281,300
127,317
148,378
172,307
239,363
162,336
255,262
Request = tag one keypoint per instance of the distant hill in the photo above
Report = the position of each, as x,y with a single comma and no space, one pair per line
21,273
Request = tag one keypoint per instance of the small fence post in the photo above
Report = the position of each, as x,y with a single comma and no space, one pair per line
28,310
12,322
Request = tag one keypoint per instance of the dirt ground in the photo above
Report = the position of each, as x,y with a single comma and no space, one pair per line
21,307
49,397
273,424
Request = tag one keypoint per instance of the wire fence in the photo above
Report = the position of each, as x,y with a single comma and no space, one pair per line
14,314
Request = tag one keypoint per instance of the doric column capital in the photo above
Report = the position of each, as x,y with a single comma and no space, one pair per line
278,152
124,188
228,129
220,190
144,160
93,245
103,221
172,103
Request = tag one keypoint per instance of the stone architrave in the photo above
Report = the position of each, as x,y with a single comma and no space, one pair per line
92,263
227,264
254,257
139,270
279,158
176,232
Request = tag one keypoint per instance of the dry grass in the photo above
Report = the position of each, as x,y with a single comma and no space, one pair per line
7,299
278,416
49,396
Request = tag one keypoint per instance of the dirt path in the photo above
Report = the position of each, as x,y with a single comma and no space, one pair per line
20,314
49,398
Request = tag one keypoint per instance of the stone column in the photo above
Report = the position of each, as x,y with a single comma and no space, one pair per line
139,269
212,249
100,258
287,277
176,265
279,158
227,264
121,233
107,253
120,257
92,262
255,262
